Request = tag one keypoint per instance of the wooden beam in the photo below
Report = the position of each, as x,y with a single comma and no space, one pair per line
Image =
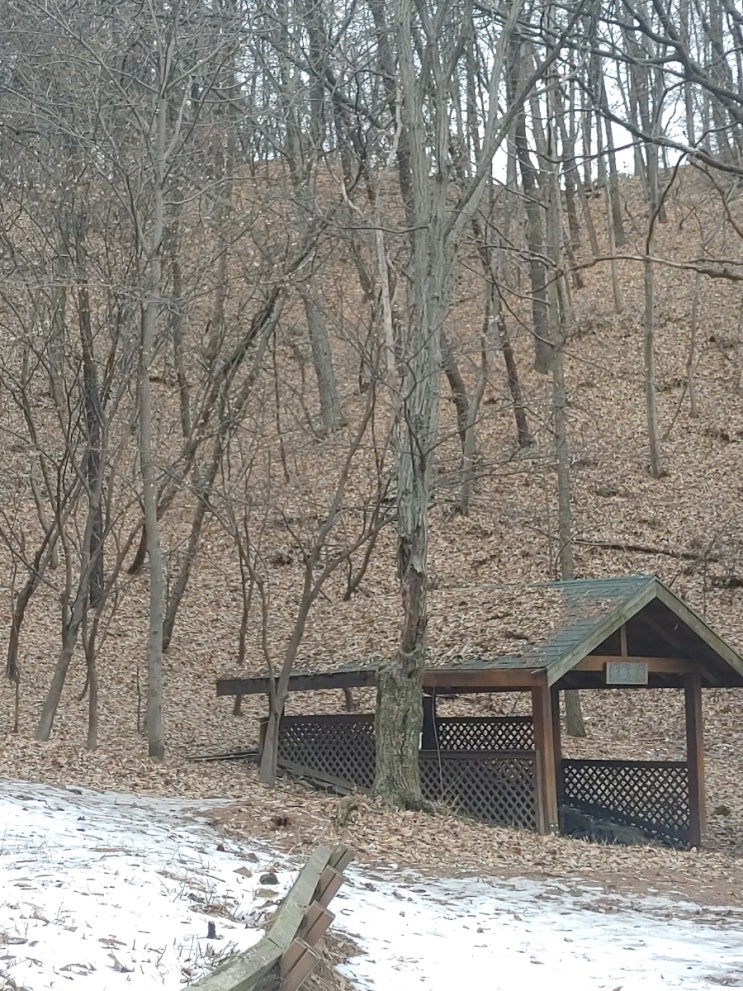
481,679
695,758
546,764
287,946
656,665
698,626
362,678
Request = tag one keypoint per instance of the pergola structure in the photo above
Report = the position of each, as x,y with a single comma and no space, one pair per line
628,632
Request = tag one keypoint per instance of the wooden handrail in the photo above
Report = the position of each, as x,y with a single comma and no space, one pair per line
300,921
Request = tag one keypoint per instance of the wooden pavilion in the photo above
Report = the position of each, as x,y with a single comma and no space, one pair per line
630,632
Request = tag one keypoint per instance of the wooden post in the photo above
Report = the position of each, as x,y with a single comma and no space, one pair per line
429,738
695,758
546,767
557,743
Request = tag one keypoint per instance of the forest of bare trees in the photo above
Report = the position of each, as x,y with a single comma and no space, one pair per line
233,233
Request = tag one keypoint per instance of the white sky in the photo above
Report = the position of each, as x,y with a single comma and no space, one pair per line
100,891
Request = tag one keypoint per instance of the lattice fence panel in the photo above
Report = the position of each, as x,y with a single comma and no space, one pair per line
487,733
338,747
651,795
494,788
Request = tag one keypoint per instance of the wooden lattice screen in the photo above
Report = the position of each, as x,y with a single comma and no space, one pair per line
473,733
652,796
493,787
338,749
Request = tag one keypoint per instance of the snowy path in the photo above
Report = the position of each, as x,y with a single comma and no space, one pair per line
101,891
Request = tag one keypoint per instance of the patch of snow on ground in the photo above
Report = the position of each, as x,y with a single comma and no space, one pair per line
523,935
115,891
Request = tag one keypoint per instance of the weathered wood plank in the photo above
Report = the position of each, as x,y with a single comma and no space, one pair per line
290,913
242,972
296,964
298,912
312,774
328,885
316,921
341,857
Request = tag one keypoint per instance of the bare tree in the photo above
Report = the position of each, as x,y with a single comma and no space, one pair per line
429,45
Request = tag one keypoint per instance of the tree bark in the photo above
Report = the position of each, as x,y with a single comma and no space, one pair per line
397,729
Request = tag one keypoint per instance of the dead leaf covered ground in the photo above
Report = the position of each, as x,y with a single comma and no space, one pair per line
687,527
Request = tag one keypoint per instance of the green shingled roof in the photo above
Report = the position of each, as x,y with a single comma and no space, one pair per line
551,627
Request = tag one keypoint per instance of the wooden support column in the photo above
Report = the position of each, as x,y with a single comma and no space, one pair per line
429,738
557,742
695,758
546,765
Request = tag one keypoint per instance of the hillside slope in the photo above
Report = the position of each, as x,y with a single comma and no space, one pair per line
686,527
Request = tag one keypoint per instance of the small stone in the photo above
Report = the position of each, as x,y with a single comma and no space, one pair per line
266,894
268,878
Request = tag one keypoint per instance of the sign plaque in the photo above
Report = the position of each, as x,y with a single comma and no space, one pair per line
626,673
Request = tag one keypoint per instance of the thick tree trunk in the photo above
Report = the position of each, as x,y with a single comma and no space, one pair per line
399,689
397,728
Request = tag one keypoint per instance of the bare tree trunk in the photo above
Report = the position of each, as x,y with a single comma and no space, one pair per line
561,318
610,218
648,349
493,273
150,313
322,359
399,714
94,422
534,229
72,620
574,723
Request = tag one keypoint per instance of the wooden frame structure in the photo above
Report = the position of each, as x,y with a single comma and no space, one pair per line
608,633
